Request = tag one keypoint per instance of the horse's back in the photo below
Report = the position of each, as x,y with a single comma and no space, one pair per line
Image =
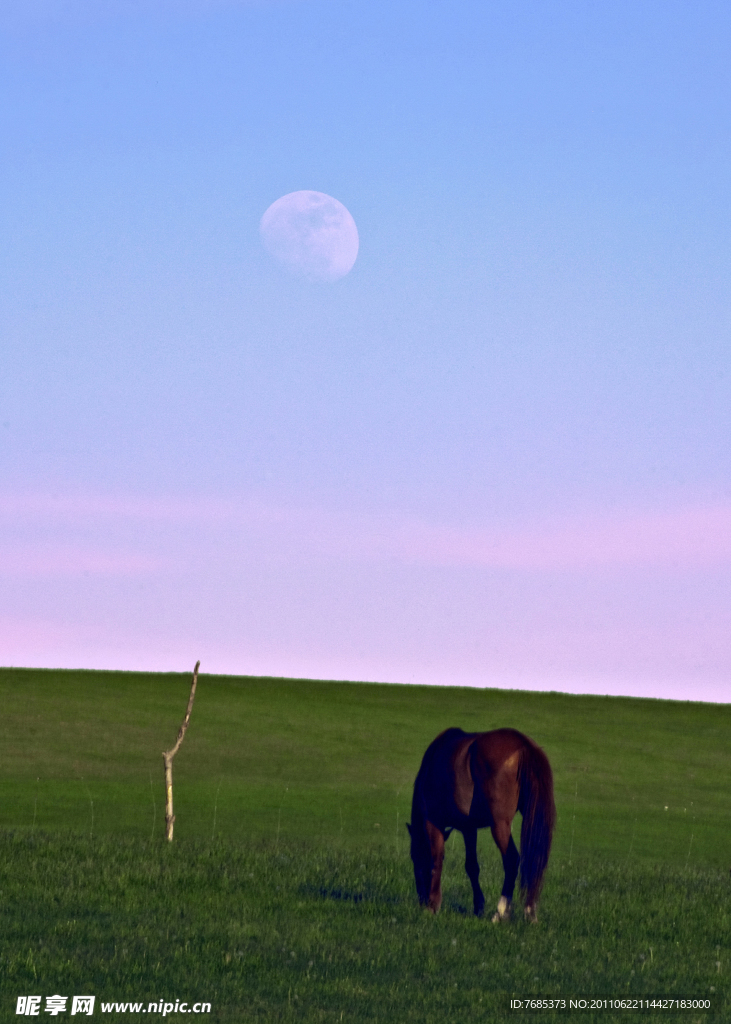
499,746
471,776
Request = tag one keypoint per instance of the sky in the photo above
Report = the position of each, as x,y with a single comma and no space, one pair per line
495,453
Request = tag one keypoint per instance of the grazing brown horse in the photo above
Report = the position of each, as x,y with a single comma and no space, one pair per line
479,780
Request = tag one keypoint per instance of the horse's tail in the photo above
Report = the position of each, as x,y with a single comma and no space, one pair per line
539,817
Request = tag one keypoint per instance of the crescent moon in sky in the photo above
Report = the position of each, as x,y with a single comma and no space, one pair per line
311,234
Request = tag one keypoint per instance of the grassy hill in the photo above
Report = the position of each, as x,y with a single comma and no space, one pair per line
288,892
328,760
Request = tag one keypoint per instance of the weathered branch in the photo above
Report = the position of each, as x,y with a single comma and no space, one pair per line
168,756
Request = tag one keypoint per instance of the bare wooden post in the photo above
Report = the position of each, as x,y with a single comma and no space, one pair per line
168,756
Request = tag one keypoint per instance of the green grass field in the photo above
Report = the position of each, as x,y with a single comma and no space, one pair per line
288,893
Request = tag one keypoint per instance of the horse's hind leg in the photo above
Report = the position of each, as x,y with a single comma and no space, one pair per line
511,858
472,868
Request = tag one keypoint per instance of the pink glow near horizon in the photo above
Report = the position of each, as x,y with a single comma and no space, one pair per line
635,602
688,537
56,650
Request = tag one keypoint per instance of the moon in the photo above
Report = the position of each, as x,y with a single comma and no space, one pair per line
311,234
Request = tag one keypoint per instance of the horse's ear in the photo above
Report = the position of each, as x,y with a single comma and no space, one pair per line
408,827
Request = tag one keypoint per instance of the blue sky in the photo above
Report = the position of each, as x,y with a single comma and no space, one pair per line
497,452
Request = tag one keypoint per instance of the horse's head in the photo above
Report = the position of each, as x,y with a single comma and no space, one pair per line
421,857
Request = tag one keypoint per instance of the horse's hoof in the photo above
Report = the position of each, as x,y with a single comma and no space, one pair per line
503,911
530,915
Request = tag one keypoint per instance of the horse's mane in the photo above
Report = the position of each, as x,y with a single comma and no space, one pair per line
435,752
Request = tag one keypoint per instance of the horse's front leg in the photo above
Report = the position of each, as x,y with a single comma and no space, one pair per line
511,858
436,843
472,868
